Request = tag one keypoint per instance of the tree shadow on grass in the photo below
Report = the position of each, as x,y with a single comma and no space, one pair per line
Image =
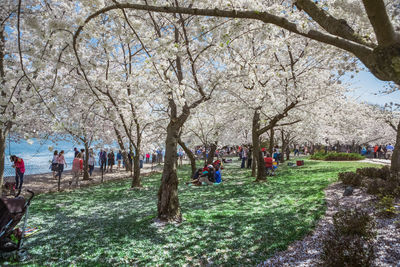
236,223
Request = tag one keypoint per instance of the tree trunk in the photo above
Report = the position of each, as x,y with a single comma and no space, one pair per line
86,162
395,163
190,155
288,152
168,202
136,181
257,154
271,141
261,173
3,136
254,163
284,144
211,154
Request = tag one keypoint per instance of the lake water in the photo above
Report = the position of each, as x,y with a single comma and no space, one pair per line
37,154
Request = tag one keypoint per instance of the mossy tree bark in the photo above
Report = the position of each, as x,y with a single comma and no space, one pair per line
168,201
271,141
211,154
258,158
136,180
86,161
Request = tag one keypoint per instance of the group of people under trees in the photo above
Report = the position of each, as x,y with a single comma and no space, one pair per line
106,161
208,175
246,155
379,151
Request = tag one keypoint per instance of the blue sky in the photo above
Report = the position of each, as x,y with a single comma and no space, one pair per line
366,86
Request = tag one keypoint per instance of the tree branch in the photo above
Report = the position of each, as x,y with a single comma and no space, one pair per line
357,49
379,19
338,27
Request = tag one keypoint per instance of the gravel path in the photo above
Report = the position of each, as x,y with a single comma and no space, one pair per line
306,252
377,161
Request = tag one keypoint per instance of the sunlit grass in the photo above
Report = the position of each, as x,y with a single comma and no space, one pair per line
236,223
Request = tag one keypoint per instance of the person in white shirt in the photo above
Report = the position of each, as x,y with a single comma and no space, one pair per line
54,164
91,163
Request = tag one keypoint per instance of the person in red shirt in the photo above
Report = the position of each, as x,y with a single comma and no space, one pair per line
19,166
376,151
269,165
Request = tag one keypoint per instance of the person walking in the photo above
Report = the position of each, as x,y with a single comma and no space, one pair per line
147,157
376,151
76,167
180,157
389,151
91,163
379,152
297,150
75,152
249,158
61,162
111,160
54,164
141,160
19,165
119,159
363,151
103,160
244,157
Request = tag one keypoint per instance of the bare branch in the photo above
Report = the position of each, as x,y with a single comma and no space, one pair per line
379,19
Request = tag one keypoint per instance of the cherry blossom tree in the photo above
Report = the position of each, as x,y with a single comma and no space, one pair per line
372,36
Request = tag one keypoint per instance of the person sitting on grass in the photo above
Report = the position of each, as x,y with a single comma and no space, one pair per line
269,168
203,176
224,160
217,175
218,164
197,174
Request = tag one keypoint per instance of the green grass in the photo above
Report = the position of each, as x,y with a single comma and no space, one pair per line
236,223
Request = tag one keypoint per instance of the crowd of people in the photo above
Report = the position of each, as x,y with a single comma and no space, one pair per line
378,151
209,174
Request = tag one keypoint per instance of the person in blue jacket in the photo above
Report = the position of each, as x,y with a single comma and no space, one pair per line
217,175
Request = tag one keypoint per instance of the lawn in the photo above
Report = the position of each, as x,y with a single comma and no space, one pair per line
236,223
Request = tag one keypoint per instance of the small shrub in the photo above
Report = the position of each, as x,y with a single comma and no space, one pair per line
382,173
350,242
386,207
347,251
373,187
333,156
350,178
318,156
351,222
